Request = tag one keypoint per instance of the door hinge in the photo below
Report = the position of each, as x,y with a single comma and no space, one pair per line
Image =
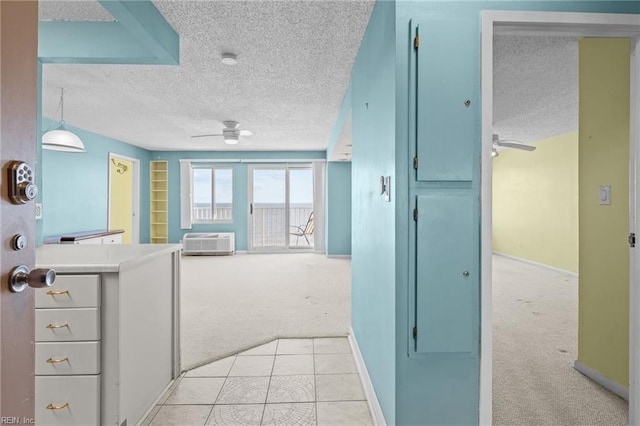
416,42
632,239
415,332
416,163
415,214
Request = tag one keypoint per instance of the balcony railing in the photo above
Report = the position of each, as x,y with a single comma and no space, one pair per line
269,223
205,214
269,226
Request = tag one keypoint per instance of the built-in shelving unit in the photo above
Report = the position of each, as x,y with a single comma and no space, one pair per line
159,178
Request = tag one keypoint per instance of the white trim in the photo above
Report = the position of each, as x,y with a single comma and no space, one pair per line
186,191
156,402
486,276
365,379
534,263
614,387
576,24
135,195
319,172
634,226
245,160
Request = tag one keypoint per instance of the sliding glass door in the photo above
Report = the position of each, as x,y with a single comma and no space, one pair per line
280,207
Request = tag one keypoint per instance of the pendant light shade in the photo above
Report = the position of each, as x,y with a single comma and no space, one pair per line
61,139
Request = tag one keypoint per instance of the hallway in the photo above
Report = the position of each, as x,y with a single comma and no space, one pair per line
284,382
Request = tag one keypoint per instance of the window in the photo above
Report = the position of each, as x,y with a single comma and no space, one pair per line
212,189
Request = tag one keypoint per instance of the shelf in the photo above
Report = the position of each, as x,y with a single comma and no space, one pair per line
158,205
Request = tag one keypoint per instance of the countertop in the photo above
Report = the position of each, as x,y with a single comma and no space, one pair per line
81,258
76,236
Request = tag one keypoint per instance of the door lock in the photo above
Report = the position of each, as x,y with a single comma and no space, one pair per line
21,277
18,242
21,186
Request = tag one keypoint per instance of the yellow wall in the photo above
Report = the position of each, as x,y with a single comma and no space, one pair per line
603,330
535,202
121,207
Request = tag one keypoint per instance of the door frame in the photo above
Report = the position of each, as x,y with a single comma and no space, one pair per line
135,194
556,23
287,168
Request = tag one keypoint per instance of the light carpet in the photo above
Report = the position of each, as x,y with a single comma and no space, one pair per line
535,328
232,303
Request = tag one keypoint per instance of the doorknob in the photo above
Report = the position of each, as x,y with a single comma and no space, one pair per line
21,277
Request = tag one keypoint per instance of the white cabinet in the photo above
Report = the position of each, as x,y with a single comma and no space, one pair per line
68,351
67,400
109,237
107,332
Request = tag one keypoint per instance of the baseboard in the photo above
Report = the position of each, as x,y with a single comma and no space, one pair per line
534,263
614,387
367,385
339,256
155,403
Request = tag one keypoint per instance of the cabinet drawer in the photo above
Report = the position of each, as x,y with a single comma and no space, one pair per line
112,239
95,240
75,397
61,325
70,291
69,358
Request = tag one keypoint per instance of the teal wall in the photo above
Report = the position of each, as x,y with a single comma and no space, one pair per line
240,189
437,388
338,235
75,185
374,240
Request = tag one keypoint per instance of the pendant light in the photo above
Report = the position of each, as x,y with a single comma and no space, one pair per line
61,139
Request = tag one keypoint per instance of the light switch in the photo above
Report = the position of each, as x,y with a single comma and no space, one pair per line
605,195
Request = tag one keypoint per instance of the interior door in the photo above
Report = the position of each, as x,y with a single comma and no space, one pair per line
18,98
121,197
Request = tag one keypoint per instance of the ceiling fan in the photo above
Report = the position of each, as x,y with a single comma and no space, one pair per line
508,143
231,133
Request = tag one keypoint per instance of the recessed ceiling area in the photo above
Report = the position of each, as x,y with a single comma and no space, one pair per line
294,65
535,92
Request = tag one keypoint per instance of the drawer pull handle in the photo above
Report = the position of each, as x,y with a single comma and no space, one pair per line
57,407
57,293
56,361
52,326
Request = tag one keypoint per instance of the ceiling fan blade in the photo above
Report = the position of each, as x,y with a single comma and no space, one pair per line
246,133
514,145
205,136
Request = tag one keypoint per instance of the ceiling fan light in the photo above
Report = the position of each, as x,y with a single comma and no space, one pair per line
229,58
61,139
231,139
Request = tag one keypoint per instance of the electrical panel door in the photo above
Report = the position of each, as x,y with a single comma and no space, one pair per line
446,301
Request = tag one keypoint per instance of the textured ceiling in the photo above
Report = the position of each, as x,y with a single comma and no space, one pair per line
535,86
294,63
295,58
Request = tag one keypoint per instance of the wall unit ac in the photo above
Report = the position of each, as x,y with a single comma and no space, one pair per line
203,244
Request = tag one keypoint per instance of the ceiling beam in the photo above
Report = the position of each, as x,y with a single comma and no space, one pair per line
139,35
147,25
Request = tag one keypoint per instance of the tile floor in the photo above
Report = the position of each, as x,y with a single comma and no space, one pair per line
284,382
